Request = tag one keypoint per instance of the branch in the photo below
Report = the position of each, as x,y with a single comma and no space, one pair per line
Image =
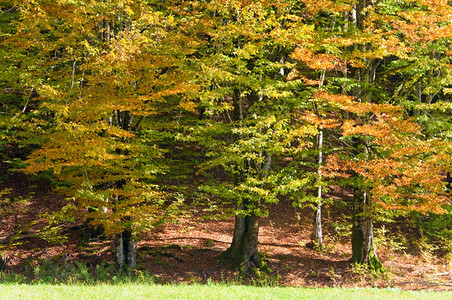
442,274
137,124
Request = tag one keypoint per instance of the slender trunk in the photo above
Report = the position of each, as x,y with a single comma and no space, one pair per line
363,250
119,251
316,236
317,239
131,257
126,250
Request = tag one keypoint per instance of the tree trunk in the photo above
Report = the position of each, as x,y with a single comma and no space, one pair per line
126,250
363,251
316,237
449,182
2,263
243,252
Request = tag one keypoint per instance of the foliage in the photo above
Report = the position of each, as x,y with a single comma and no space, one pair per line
93,104
436,229
137,105
60,271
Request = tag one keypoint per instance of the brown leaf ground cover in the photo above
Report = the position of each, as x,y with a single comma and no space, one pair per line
188,250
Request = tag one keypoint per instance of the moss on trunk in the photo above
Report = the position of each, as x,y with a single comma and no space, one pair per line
243,253
363,251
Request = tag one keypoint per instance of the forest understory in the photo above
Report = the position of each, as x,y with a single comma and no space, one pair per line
188,250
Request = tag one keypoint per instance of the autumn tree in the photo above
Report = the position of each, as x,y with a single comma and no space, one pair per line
246,112
100,72
371,39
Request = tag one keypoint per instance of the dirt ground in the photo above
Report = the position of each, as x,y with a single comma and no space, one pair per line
188,251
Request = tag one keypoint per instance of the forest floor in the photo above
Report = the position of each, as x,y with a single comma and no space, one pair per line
188,251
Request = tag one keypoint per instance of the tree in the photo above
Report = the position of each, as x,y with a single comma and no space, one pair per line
247,112
371,39
107,67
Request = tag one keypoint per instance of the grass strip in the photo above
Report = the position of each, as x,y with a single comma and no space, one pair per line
209,291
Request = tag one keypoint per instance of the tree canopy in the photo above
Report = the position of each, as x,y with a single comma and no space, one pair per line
136,106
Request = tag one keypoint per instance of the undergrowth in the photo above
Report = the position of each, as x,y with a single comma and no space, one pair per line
56,272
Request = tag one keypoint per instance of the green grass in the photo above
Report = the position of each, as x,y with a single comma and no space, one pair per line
196,291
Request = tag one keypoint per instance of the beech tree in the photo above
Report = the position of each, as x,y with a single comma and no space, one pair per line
107,67
363,38
247,112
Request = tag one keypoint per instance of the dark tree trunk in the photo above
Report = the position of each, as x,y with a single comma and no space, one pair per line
89,231
2,263
449,182
363,251
126,250
243,252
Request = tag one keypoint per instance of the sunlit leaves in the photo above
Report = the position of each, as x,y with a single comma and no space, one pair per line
250,83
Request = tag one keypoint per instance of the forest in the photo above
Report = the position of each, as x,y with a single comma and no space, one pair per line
119,118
